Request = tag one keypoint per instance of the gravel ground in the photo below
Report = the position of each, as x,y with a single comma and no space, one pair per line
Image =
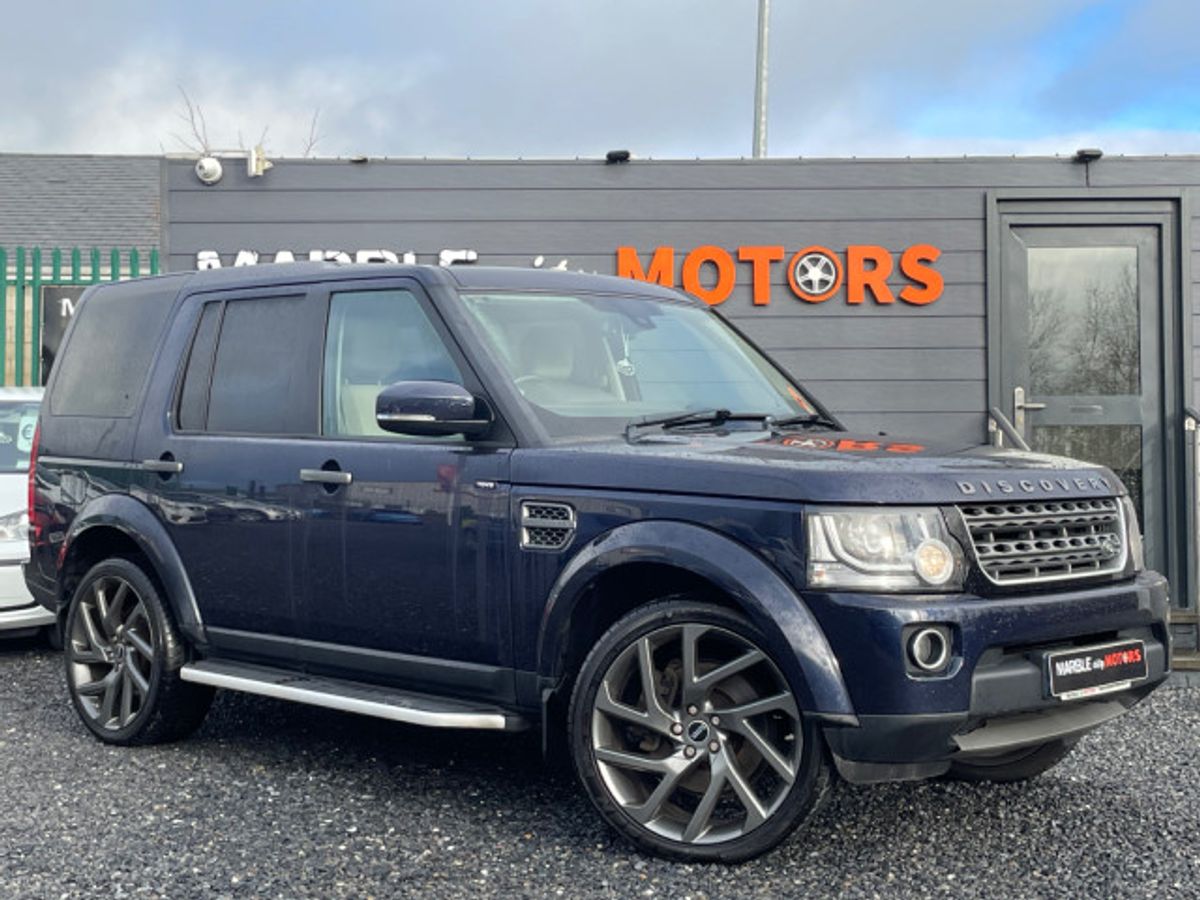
277,800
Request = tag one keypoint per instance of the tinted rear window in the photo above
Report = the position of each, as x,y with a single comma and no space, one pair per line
264,379
103,367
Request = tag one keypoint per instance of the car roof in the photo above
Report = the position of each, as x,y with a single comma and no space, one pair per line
468,277
519,278
21,393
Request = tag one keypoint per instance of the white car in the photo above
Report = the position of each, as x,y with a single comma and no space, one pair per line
19,612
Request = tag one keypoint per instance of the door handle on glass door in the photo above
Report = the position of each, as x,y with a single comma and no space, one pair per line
1019,407
162,466
326,476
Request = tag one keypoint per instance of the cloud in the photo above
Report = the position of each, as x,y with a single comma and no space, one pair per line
135,105
668,79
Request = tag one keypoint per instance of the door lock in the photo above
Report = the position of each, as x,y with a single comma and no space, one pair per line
1019,407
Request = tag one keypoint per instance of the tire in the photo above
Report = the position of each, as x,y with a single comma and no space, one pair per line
674,781
123,655
1016,765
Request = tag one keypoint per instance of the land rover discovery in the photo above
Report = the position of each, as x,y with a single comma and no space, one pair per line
508,499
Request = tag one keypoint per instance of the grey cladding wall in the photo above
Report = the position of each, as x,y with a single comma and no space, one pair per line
919,370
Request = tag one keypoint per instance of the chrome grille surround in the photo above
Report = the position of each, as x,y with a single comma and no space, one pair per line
1047,540
546,525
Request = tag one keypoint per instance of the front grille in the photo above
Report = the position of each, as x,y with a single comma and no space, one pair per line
546,526
1054,540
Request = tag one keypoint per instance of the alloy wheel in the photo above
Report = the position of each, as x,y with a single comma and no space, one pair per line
111,653
695,733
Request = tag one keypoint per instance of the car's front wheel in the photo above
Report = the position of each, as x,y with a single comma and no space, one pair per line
123,655
688,737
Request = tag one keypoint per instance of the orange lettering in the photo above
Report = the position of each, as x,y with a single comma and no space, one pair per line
721,261
760,258
859,277
847,444
662,265
913,264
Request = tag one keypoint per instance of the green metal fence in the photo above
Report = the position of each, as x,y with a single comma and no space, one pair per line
25,271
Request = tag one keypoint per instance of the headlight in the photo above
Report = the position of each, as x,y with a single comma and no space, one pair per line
1133,535
14,526
883,550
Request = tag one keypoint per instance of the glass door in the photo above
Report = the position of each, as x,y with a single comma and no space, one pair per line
1081,359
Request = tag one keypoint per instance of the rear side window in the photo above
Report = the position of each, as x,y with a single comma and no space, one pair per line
102,370
193,398
265,374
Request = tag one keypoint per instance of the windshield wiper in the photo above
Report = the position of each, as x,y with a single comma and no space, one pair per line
807,419
697,417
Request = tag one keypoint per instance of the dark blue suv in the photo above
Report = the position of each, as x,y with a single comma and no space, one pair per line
510,499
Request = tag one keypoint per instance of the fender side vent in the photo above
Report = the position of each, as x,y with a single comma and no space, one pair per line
546,526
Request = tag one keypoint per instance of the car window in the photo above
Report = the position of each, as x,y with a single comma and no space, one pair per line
102,370
193,396
263,380
18,420
589,364
377,338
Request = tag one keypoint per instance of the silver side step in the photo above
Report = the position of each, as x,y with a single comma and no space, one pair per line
350,696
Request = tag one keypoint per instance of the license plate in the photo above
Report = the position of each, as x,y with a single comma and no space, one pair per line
1088,671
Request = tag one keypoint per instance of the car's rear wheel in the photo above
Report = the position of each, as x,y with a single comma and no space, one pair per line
123,655
688,737
1015,765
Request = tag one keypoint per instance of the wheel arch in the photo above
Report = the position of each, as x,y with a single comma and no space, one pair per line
113,522
751,585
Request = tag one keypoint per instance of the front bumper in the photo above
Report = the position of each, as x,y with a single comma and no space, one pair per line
992,697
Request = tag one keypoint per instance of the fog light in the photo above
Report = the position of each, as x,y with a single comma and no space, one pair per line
929,649
933,561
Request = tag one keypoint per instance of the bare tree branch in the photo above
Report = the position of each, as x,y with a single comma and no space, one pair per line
186,144
193,116
314,135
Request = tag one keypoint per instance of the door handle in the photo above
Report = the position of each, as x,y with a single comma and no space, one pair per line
162,466
1020,405
326,476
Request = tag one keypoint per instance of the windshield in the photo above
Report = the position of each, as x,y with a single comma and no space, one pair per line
18,419
589,364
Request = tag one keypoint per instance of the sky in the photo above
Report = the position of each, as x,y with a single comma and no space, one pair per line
567,78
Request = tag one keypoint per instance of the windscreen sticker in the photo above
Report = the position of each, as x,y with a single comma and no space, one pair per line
25,430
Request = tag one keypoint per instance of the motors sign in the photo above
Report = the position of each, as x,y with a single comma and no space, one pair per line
814,274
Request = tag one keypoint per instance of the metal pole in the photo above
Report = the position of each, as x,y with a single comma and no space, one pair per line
760,82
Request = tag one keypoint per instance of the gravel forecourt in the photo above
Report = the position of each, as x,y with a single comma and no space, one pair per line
273,799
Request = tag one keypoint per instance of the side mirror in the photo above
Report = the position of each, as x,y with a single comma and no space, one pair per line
431,409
